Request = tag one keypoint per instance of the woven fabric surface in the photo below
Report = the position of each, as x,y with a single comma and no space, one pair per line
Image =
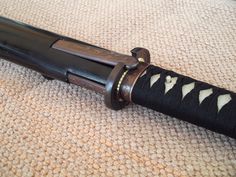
51,128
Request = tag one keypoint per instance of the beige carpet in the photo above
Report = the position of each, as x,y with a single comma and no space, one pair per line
50,128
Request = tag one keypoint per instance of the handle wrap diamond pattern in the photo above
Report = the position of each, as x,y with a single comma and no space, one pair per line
187,99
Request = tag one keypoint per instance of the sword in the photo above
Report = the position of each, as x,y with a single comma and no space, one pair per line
122,79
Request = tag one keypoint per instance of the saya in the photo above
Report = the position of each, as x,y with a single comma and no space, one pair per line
122,79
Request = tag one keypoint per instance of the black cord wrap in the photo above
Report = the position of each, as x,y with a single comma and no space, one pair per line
208,113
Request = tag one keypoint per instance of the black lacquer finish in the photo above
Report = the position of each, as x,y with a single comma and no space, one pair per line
31,47
187,108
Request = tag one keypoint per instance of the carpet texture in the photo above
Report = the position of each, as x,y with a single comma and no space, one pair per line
51,128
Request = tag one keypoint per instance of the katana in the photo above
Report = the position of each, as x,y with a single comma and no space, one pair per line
122,79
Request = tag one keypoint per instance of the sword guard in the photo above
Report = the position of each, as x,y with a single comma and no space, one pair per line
113,97
141,54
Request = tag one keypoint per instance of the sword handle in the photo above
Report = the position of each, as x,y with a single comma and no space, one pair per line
187,99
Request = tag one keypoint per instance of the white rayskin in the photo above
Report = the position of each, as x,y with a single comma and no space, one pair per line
144,72
170,82
187,88
154,78
203,94
222,100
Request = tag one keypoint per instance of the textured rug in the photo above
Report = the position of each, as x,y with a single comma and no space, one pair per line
51,128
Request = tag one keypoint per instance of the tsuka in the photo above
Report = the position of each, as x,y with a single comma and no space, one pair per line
187,99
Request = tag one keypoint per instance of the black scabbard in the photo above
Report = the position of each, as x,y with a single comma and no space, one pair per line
32,47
